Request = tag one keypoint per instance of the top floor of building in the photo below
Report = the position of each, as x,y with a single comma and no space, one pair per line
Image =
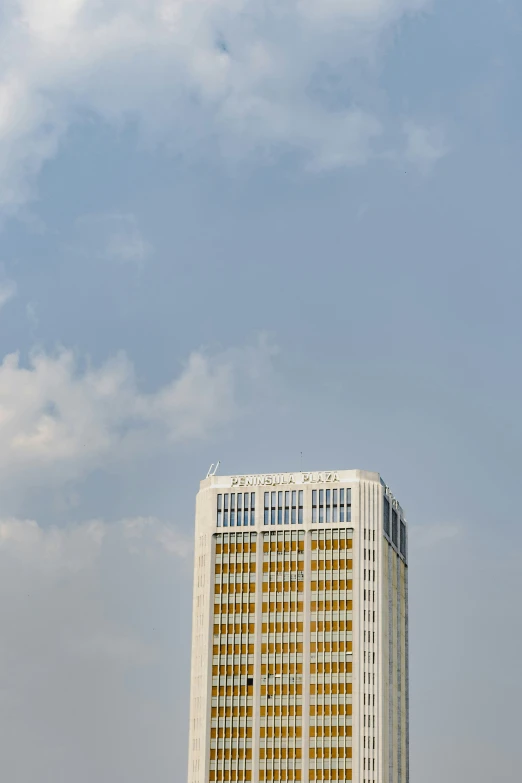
352,498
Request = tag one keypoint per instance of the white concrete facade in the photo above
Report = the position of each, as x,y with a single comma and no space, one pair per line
300,630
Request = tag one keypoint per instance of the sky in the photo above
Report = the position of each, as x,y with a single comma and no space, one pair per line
278,234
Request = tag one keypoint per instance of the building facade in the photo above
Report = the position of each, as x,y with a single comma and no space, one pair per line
300,630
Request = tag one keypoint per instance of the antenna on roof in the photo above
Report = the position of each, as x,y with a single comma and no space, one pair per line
212,469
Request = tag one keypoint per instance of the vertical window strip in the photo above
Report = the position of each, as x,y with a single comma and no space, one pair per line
403,539
323,697
386,516
395,530
226,654
328,495
225,510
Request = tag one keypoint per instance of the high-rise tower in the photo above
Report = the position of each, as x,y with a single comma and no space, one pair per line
300,630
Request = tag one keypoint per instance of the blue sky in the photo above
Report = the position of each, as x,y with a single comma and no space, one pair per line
240,230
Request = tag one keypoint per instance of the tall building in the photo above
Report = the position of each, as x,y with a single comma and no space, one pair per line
300,630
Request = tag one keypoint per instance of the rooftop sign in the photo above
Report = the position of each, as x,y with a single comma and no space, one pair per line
283,478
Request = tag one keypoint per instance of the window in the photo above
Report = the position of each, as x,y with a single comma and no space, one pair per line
328,493
330,505
395,529
280,508
237,510
225,512
403,539
386,516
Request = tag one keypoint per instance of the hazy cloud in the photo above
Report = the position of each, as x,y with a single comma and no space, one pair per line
112,237
424,145
7,291
32,314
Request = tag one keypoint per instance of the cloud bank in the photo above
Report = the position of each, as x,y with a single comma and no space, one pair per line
231,77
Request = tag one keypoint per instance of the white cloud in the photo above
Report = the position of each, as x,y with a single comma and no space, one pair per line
7,292
90,653
56,550
233,74
59,421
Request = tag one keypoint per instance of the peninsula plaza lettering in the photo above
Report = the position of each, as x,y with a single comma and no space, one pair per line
283,478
